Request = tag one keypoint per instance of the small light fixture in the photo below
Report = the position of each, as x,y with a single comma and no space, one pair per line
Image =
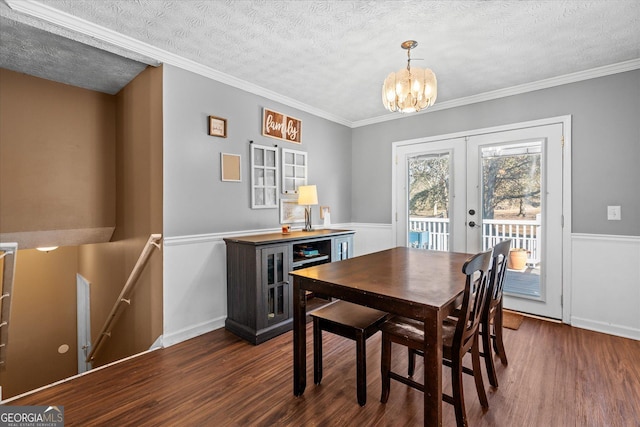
410,89
307,195
47,248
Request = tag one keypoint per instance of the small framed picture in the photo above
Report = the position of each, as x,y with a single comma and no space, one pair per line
230,167
324,210
291,212
217,126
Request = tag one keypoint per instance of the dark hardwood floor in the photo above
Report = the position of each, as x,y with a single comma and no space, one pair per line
557,376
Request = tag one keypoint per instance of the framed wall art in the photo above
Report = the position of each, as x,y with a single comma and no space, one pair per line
280,126
217,126
291,212
264,177
294,170
230,167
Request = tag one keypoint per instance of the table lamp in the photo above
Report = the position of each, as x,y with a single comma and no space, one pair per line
307,195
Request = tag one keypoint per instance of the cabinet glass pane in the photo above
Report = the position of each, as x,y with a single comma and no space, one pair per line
280,304
271,269
288,170
300,172
279,267
300,159
271,302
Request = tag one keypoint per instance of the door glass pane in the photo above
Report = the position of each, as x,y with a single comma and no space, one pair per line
429,179
511,209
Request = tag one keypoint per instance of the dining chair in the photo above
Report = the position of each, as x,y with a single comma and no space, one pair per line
493,311
459,335
351,321
491,322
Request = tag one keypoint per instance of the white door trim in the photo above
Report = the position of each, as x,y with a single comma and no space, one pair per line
566,188
83,306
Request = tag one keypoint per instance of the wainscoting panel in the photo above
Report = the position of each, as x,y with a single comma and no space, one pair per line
195,287
605,276
372,238
606,284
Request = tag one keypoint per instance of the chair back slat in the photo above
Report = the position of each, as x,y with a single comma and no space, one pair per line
498,273
476,289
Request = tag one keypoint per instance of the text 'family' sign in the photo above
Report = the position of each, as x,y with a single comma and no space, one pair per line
277,125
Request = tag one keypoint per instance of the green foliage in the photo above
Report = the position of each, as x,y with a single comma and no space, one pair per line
509,181
429,185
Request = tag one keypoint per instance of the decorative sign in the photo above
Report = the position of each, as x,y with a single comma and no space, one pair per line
277,125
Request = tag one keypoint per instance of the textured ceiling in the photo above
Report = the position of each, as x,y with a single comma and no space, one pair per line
334,55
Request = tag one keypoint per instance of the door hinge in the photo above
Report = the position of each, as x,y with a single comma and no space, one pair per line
562,221
562,141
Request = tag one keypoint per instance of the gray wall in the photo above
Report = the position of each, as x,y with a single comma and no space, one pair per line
196,201
605,148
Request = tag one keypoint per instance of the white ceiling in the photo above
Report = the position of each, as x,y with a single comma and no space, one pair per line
330,57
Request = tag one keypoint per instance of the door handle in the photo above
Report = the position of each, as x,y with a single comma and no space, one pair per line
472,224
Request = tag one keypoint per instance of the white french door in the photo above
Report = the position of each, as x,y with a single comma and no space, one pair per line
467,193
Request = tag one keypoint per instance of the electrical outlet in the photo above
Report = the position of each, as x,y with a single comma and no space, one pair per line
614,213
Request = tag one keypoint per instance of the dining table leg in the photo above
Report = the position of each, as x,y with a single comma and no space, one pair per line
299,338
433,370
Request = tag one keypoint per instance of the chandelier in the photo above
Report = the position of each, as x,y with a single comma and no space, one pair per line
411,89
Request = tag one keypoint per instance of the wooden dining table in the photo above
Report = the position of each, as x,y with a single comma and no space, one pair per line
415,283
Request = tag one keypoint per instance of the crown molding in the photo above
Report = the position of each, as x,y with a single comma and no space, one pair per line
593,73
55,16
65,20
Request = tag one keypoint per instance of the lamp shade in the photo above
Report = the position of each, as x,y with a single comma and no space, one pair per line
307,195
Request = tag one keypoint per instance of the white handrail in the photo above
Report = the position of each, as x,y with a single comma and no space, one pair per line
153,241
9,253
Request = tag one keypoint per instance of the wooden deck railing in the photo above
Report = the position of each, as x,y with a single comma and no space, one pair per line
433,234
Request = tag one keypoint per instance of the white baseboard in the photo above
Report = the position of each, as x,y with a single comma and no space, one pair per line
606,328
193,331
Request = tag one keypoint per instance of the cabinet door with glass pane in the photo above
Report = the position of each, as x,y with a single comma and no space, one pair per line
264,172
275,282
294,170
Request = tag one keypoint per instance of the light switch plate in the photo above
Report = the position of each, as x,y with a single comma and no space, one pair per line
614,213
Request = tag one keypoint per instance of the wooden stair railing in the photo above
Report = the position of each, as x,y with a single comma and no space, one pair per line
154,241
8,257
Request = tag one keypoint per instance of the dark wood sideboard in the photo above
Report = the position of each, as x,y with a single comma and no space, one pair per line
259,294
